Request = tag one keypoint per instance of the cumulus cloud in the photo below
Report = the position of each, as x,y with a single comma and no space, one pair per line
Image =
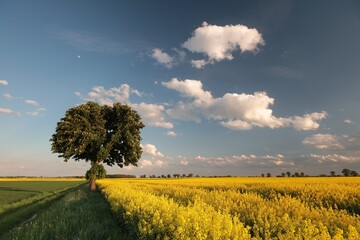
160,163
109,96
348,121
166,59
334,158
199,63
323,141
171,134
8,111
339,144
236,125
151,114
234,111
31,102
162,57
308,121
237,160
150,164
218,43
145,163
189,88
150,150
4,82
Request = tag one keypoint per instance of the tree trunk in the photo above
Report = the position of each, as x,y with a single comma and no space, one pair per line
92,185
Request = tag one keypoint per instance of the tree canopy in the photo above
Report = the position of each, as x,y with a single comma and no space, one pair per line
94,133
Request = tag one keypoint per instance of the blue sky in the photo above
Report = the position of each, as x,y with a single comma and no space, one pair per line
230,88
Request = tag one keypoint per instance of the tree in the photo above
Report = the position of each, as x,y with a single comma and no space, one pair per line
96,134
346,172
283,174
354,173
288,174
268,174
332,173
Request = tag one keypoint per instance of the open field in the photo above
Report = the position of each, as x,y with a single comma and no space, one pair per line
22,198
80,214
190,208
237,208
13,190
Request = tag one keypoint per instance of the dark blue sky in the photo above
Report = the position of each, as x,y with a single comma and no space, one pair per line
275,89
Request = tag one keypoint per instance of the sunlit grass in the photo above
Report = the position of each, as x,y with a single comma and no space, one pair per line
78,215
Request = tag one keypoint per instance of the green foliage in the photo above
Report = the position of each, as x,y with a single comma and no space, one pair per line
97,171
97,133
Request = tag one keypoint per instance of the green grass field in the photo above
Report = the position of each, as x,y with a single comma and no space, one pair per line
80,214
22,198
14,191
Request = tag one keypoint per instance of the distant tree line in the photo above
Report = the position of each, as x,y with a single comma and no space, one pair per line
346,172
177,175
120,176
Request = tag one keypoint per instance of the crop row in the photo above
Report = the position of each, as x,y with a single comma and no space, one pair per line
222,209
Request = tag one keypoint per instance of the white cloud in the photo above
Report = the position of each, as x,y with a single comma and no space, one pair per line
348,121
166,59
283,163
151,114
38,112
181,55
7,111
234,111
159,163
109,96
145,163
308,121
171,134
218,42
266,160
184,162
4,82
31,102
236,125
149,164
199,63
189,88
7,96
334,158
150,150
323,141
162,57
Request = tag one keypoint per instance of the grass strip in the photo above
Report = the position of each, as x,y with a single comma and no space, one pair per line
7,208
28,208
80,214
